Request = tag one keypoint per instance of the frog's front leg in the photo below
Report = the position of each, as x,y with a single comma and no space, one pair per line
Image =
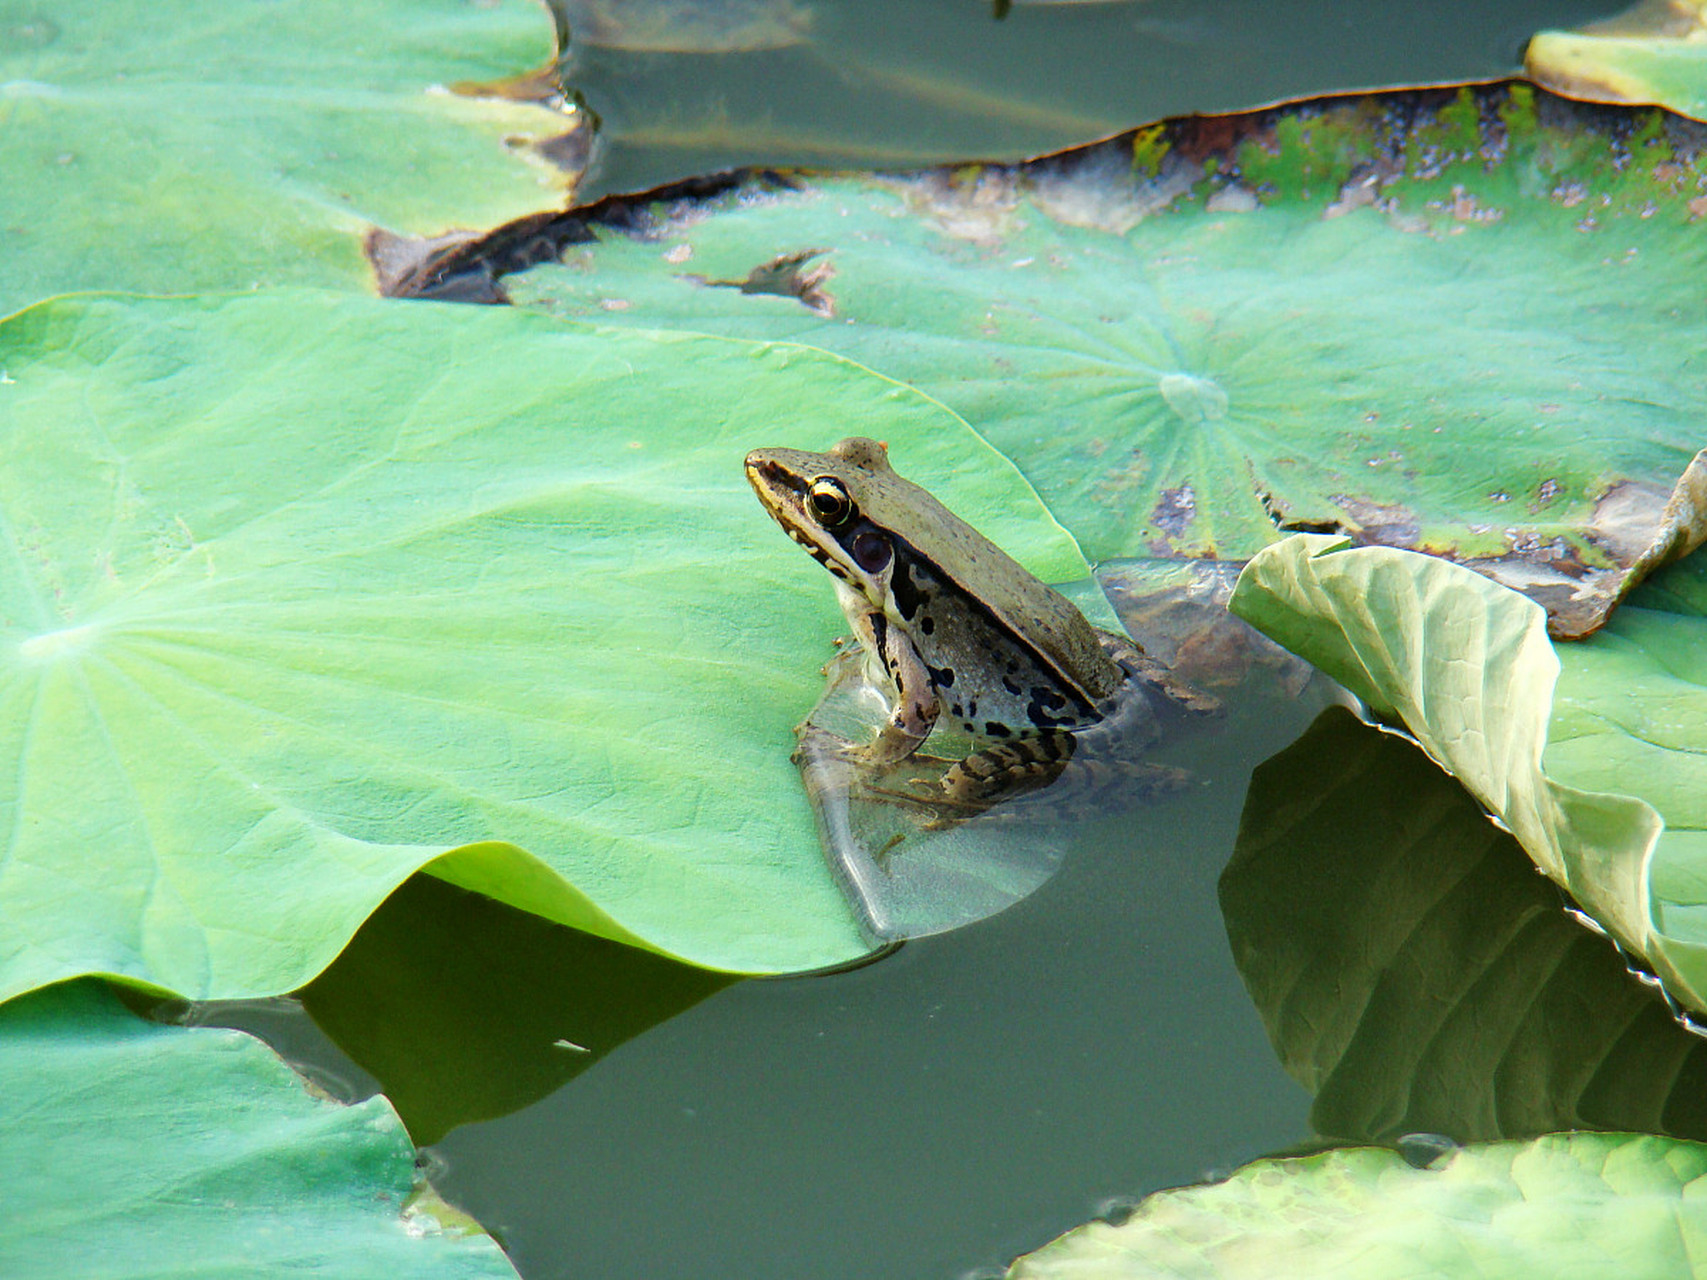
916,703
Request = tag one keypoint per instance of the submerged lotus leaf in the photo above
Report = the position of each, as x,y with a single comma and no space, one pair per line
133,1150
174,147
1416,975
1656,52
1594,1206
1455,320
1591,752
301,593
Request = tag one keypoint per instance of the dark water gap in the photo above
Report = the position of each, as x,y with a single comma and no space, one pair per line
904,83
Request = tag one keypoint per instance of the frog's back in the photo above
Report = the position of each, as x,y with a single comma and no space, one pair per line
982,571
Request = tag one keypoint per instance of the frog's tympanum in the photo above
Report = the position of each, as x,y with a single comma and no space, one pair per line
955,631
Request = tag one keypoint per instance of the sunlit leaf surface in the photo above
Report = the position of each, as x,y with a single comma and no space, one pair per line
1591,752
1462,321
175,147
1415,974
1656,52
1588,1205
133,1150
300,593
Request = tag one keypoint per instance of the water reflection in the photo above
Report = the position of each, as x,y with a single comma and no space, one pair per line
1416,973
915,855
465,1009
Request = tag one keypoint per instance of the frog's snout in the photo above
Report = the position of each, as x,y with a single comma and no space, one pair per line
762,470
770,477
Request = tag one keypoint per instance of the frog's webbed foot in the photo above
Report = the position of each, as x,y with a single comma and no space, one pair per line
1053,788
1191,700
1141,668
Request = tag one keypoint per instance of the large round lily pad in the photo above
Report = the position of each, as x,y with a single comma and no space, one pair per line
1462,321
176,147
136,1151
305,593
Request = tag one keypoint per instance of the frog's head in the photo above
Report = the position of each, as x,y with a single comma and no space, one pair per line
826,502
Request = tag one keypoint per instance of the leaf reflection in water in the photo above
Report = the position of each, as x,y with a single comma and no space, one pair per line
466,1009
1416,974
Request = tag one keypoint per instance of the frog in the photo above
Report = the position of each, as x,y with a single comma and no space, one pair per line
956,633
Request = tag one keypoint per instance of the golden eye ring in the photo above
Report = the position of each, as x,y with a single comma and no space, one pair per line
828,501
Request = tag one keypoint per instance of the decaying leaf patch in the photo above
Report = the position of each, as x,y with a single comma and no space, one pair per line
788,275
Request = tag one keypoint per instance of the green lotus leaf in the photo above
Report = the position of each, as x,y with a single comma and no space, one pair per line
135,1150
301,593
1656,53
1416,975
172,147
1448,320
1590,1205
1590,752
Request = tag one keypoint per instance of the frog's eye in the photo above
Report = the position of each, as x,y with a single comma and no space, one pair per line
829,501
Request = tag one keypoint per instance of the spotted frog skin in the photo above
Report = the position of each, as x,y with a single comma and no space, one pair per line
955,630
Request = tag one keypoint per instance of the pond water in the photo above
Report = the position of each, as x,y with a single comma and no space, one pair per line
971,1095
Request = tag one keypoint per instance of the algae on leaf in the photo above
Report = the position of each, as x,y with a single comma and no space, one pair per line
180,147
1590,752
1463,321
134,1150
305,592
1594,1206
